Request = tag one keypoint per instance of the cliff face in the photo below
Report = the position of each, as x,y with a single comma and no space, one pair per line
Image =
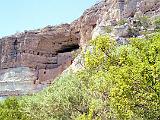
37,48
108,11
42,54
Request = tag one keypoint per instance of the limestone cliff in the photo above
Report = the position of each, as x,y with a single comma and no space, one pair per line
40,55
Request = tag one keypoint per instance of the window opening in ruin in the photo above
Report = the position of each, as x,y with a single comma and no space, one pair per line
94,26
34,82
77,32
37,53
44,72
37,72
46,67
53,44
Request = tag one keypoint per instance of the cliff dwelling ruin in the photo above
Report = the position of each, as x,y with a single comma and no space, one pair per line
45,52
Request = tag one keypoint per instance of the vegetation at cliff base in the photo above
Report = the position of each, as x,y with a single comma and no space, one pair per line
119,82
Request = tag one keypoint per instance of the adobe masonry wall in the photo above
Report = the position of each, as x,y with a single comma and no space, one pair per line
50,74
39,51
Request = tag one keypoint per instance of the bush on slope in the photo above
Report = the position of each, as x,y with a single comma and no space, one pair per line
119,82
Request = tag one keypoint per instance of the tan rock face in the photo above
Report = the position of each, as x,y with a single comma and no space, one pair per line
88,21
110,10
37,48
149,5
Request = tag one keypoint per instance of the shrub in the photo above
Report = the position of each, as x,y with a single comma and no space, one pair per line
96,57
108,29
11,110
144,21
157,23
122,22
120,82
131,76
133,32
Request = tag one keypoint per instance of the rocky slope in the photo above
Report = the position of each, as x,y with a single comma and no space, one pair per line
43,54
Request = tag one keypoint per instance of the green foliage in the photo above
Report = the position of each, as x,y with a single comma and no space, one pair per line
108,29
122,22
64,100
10,110
96,55
131,76
133,32
144,21
119,82
157,23
103,44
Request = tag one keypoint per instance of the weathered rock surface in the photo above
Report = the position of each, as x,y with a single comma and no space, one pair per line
121,31
16,79
118,9
45,53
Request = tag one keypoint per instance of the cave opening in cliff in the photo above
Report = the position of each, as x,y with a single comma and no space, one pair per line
68,48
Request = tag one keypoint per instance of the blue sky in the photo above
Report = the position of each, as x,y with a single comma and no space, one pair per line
20,15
